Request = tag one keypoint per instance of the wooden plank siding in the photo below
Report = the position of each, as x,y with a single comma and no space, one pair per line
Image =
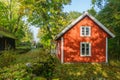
97,39
70,40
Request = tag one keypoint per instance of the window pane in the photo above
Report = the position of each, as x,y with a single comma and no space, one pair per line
83,31
87,45
87,31
83,51
83,45
87,51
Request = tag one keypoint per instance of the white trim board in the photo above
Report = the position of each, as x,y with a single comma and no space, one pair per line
62,50
106,50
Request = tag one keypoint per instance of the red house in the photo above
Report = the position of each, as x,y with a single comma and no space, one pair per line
84,40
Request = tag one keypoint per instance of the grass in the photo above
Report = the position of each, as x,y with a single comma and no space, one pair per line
32,56
77,71
22,49
87,71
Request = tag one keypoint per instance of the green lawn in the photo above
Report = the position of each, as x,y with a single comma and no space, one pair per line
78,71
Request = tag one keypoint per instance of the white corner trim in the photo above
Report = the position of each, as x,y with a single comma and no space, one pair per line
106,50
62,50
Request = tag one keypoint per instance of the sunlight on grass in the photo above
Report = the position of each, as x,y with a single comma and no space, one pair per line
31,56
75,71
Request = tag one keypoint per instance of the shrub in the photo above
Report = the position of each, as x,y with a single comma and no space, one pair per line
45,69
15,72
6,58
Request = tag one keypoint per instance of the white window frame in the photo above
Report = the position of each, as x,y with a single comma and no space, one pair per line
85,48
85,27
62,50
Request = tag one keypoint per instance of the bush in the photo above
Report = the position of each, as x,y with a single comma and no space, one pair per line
15,72
45,69
6,58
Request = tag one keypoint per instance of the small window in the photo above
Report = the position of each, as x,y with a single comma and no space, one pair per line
85,49
85,31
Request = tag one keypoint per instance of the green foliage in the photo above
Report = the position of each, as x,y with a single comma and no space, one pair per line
31,56
28,35
48,15
99,3
45,69
71,16
12,14
92,11
15,72
109,16
7,58
87,71
23,46
44,66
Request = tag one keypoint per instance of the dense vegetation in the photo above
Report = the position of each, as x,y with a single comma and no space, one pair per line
12,15
38,64
109,16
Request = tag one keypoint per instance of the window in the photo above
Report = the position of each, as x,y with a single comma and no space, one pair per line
85,49
85,31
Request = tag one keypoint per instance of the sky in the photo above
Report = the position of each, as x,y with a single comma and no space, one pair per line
76,5
35,33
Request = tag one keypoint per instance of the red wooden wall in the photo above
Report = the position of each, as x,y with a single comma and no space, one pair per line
72,41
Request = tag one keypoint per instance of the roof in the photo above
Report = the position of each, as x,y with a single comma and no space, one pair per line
6,33
80,18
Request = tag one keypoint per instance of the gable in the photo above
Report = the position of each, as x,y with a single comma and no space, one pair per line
79,19
96,32
94,27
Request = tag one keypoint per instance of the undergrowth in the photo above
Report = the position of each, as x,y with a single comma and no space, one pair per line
39,64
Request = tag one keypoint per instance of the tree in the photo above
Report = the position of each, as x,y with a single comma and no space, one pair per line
48,15
12,13
92,11
71,16
28,36
110,17
99,3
